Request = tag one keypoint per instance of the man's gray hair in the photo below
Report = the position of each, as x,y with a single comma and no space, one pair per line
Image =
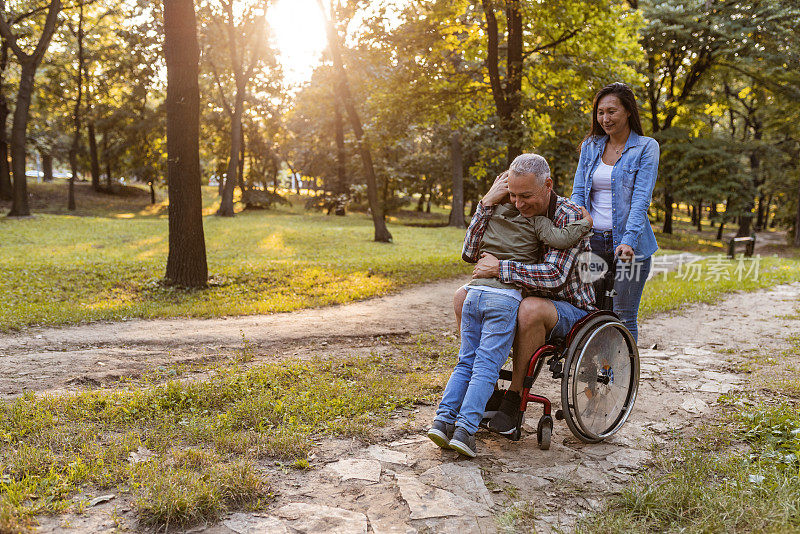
532,164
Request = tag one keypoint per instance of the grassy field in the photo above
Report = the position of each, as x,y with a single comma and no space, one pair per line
715,278
187,451
107,262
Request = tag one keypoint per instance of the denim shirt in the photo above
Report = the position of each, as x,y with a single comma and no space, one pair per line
632,180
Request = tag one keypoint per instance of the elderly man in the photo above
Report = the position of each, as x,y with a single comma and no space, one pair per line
556,296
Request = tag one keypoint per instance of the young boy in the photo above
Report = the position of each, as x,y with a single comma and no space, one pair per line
488,321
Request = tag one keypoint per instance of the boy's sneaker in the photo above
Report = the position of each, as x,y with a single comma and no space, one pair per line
463,442
506,420
440,433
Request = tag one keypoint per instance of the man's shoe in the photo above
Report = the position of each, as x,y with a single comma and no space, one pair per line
440,433
506,420
463,442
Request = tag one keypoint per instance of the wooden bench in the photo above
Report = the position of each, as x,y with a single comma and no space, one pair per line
748,242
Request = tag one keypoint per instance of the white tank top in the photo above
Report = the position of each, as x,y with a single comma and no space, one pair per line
601,197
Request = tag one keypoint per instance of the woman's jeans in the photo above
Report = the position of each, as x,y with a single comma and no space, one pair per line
629,280
488,321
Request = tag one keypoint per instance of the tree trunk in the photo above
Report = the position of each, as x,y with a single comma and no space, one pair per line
760,214
76,116
235,160
220,180
457,158
767,204
242,186
6,189
94,161
745,227
341,153
796,241
698,210
667,212
106,157
345,96
71,192
152,185
28,64
226,206
421,202
186,262
430,196
723,219
507,96
19,206
47,167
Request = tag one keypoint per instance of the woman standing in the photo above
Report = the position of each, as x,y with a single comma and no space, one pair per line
616,174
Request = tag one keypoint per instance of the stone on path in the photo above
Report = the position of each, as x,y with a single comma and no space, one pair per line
600,450
589,475
349,469
628,458
428,502
250,524
408,441
383,454
715,387
388,525
525,482
695,406
319,519
388,514
460,525
463,480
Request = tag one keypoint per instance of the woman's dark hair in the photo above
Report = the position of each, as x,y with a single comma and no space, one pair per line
625,95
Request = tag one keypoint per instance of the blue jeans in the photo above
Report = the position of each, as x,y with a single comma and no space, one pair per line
629,280
488,321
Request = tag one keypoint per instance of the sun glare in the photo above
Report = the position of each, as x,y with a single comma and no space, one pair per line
299,32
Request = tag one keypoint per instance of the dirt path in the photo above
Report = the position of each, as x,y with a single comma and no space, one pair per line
90,355
57,359
404,484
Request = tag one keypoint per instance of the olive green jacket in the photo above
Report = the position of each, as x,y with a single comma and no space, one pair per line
512,236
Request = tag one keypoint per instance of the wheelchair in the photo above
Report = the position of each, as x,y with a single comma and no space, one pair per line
598,365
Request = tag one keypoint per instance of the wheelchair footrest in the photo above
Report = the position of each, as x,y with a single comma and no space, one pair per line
505,374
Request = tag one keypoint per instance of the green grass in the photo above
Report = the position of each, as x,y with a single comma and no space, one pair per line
208,438
60,269
715,279
740,476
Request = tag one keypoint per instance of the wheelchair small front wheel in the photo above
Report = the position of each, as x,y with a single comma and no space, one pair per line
601,377
544,432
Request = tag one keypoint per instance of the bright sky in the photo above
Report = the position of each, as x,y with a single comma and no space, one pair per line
299,31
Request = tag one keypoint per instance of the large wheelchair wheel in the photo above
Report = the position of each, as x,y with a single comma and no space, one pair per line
601,377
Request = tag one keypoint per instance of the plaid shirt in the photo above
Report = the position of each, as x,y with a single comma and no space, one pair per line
556,278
